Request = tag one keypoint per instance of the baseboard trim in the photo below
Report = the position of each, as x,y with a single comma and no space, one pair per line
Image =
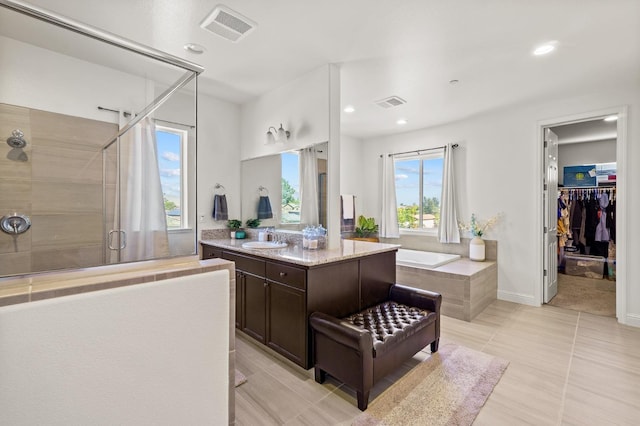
523,299
633,320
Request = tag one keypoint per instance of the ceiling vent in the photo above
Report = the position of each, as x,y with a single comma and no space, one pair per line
390,102
228,23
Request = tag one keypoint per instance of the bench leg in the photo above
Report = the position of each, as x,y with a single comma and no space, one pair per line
363,400
434,345
320,375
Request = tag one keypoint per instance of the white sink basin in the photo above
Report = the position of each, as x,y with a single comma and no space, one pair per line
264,245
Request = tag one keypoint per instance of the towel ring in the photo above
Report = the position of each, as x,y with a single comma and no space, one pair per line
261,189
218,186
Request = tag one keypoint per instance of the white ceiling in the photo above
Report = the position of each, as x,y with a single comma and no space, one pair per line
408,48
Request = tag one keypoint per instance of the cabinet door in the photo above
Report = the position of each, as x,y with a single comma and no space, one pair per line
254,312
287,322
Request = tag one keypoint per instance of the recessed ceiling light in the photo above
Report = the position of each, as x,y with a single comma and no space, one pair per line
349,109
401,122
194,48
544,49
611,118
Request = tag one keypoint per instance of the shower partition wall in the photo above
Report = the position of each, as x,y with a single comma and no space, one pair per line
107,171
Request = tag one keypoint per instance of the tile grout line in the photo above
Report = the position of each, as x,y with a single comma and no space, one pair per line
566,379
495,333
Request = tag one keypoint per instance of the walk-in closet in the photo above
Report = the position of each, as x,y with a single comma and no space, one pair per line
586,230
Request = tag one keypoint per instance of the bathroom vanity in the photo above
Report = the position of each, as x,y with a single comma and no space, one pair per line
277,289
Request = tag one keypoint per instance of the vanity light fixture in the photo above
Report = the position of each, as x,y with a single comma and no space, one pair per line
611,118
280,135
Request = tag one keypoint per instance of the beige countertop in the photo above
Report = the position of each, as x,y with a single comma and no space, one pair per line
293,253
46,285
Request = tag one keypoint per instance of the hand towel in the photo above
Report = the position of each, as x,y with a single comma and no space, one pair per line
220,211
264,208
347,225
348,206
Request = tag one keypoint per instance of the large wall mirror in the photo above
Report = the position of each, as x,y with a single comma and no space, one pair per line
278,177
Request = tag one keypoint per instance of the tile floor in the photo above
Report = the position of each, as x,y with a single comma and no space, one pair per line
566,368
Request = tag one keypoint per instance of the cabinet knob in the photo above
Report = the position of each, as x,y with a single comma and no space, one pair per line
283,274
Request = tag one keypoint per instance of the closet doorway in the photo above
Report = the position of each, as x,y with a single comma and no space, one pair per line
580,208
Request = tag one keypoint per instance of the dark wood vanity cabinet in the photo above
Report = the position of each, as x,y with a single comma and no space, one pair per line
274,298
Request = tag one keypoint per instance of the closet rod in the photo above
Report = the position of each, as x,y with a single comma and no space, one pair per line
418,151
560,188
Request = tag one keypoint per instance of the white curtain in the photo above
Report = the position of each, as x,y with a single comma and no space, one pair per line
309,212
389,214
142,215
448,231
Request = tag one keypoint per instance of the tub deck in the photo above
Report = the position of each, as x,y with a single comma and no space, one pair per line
467,287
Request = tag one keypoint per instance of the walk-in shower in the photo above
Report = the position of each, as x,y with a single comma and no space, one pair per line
97,185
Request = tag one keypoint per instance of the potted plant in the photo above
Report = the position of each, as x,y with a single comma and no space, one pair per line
234,225
367,229
253,223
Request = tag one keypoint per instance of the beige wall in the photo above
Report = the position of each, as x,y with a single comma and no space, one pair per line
59,187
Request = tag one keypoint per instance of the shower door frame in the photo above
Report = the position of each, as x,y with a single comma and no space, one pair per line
192,71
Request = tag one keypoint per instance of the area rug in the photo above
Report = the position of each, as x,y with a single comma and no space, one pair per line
240,378
449,388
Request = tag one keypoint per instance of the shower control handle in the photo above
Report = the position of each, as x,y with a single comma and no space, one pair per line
15,224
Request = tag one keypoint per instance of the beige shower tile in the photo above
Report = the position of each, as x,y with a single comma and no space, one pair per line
66,198
73,230
15,244
60,130
66,164
15,263
14,193
66,258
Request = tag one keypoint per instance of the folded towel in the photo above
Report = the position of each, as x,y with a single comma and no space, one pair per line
347,225
348,206
220,211
264,208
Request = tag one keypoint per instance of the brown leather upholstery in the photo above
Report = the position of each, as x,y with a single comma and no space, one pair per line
367,345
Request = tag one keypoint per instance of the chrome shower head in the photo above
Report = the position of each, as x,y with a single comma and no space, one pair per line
16,140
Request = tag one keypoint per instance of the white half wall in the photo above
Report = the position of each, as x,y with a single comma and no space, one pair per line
153,353
497,171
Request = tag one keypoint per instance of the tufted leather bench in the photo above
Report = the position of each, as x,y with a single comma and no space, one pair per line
364,347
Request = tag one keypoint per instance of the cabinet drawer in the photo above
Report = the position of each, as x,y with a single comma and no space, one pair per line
209,252
246,263
290,275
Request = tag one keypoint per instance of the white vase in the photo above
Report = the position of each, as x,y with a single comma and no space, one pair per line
476,249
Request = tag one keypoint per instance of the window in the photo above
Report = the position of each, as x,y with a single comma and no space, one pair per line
290,187
418,191
172,147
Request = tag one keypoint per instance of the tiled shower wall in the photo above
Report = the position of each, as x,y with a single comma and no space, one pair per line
57,181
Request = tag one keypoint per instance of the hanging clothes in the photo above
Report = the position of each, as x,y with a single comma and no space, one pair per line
602,231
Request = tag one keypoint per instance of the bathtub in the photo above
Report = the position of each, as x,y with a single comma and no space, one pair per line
423,259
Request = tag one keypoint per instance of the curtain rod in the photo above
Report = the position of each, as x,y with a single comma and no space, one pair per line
418,151
128,114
